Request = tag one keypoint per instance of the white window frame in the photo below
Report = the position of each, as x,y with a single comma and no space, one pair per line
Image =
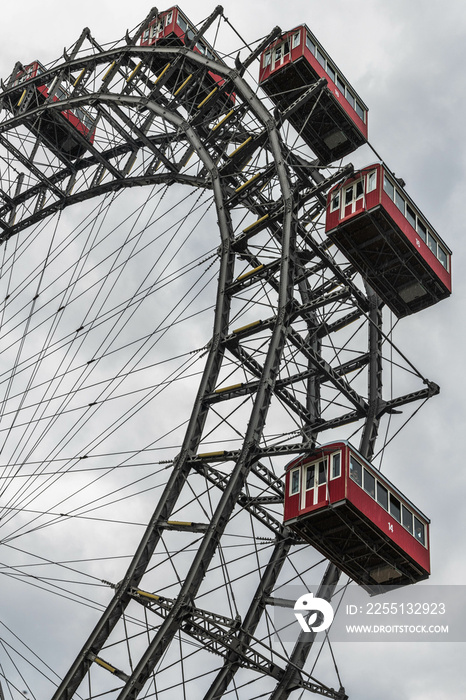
335,201
377,484
310,45
403,507
315,488
369,187
424,530
293,471
331,470
308,466
368,471
353,187
358,483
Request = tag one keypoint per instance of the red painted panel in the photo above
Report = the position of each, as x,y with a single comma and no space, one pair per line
385,522
291,505
417,242
341,99
318,506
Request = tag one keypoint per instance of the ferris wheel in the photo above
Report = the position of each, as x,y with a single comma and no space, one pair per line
173,342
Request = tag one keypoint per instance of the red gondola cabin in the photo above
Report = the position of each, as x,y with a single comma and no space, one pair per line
57,128
371,219
338,502
173,28
331,120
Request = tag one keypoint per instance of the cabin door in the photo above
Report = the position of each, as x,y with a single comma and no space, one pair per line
314,484
280,55
352,199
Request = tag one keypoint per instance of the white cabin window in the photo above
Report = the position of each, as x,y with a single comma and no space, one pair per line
336,465
355,470
335,201
369,483
422,231
407,519
432,243
322,472
310,45
182,23
400,202
321,58
382,495
349,195
419,531
360,111
371,182
296,40
411,216
310,476
294,481
395,507
443,257
388,187
341,85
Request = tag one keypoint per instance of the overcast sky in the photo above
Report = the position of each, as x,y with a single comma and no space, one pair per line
407,60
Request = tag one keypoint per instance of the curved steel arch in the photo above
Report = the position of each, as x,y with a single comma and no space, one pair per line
281,359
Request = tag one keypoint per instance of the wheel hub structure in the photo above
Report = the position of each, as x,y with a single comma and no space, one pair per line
169,343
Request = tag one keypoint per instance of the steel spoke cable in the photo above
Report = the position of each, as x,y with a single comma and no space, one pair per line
61,473
20,674
270,437
21,345
54,589
31,651
66,468
119,330
177,370
82,407
66,516
36,368
72,335
63,245
132,359
100,210
56,347
95,384
7,273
